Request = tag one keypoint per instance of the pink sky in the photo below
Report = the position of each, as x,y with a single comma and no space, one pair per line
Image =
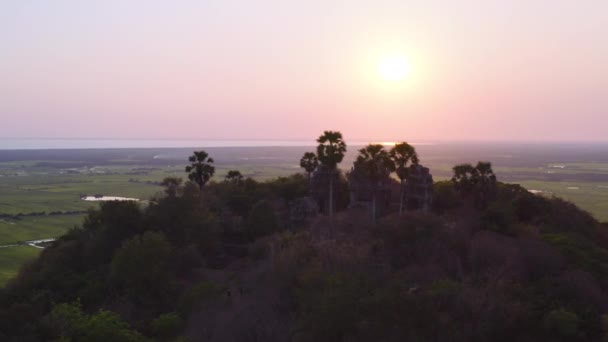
481,70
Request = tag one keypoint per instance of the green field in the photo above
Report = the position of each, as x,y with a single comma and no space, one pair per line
26,188
592,197
36,228
11,259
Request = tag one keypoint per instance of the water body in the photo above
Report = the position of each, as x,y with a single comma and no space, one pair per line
45,144
29,144
39,243
108,198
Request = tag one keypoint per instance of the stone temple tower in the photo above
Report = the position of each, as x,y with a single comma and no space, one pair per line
419,189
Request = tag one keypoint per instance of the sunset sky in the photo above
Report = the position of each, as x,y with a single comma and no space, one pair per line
477,70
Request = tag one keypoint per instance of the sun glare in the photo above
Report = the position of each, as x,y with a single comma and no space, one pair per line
393,68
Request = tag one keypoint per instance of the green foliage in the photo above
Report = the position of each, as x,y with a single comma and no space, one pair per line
331,307
528,207
171,185
114,222
309,162
499,217
582,252
262,220
561,324
182,220
289,188
565,217
405,240
445,197
416,277
463,179
167,326
197,296
141,267
234,176
71,324
444,288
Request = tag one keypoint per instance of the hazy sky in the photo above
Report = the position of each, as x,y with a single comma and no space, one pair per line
499,70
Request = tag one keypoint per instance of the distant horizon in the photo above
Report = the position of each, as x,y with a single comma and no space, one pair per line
33,143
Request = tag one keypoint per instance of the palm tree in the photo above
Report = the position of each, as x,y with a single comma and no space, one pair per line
309,162
479,179
404,156
200,169
234,176
484,180
376,164
330,152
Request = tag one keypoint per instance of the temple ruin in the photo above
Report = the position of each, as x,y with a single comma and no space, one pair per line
362,189
419,189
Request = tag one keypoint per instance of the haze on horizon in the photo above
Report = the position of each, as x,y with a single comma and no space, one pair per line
478,70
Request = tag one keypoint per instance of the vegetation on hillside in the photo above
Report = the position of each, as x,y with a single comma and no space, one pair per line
222,261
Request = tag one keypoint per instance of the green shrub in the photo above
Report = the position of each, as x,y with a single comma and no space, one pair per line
196,296
582,252
561,324
262,220
167,326
445,197
141,267
71,324
499,217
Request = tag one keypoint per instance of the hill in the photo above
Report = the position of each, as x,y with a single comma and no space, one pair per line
237,262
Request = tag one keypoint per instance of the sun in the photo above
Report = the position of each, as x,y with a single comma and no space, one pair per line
393,68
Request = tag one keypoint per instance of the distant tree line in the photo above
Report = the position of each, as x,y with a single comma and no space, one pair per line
42,213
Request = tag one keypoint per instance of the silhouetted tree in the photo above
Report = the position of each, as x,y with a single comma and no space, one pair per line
330,152
309,162
171,185
403,155
200,169
234,176
463,179
479,180
376,164
484,180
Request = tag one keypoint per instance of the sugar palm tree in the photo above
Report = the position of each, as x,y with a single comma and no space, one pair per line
404,156
375,163
309,162
200,169
330,152
484,181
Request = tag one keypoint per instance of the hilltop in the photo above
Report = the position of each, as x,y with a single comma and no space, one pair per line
242,260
